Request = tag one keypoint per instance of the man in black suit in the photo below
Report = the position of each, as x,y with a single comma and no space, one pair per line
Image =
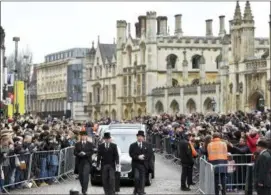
140,154
262,169
108,158
187,162
83,151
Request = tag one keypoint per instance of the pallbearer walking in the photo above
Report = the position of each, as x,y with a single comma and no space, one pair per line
108,158
139,152
83,151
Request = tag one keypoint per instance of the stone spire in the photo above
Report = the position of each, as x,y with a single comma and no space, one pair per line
237,12
248,12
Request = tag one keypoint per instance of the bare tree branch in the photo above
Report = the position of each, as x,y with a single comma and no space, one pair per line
25,57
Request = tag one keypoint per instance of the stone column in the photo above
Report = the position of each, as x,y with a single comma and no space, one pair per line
185,69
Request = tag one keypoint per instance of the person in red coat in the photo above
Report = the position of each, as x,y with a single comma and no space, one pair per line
252,139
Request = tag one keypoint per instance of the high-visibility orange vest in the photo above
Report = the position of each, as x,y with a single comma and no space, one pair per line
217,150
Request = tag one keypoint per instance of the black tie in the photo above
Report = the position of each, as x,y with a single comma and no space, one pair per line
140,145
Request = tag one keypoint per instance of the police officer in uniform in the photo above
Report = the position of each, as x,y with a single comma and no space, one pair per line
140,154
108,158
83,151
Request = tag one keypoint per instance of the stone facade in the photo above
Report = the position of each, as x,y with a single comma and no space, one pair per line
242,81
51,88
159,72
101,81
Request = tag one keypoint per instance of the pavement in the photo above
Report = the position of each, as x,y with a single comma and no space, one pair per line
166,181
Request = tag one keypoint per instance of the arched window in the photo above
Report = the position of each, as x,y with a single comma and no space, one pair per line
171,61
142,52
129,54
196,61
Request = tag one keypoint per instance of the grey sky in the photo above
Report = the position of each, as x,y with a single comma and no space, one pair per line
51,26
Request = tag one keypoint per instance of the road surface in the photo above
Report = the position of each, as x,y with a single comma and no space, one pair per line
167,181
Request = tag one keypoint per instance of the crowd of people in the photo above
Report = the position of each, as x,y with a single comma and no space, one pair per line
29,141
241,136
241,132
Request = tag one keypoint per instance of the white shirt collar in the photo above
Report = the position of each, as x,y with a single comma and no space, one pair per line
263,151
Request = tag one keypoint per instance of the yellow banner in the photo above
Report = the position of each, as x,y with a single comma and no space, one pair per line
19,98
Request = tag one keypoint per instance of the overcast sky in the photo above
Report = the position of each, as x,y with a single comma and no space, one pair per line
50,27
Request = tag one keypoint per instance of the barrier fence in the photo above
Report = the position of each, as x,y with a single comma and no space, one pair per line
210,178
26,170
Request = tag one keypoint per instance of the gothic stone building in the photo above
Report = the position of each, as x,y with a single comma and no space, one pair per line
156,72
241,63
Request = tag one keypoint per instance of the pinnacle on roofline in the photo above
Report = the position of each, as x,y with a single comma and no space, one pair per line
237,12
248,13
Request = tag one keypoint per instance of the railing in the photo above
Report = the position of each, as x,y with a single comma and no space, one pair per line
208,177
225,177
26,170
170,149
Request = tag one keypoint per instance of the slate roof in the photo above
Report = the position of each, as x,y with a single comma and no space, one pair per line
107,51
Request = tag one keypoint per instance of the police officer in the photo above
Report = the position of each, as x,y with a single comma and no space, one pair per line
83,151
140,154
108,158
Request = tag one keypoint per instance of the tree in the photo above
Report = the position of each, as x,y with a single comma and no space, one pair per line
24,59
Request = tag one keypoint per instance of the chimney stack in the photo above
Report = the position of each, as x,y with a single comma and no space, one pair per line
137,30
162,25
222,30
209,28
178,25
142,24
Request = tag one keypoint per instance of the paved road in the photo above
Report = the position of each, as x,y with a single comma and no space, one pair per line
167,181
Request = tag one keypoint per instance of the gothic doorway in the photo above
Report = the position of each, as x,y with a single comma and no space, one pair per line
191,106
256,101
159,108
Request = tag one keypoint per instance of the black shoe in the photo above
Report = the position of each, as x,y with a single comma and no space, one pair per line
192,184
185,189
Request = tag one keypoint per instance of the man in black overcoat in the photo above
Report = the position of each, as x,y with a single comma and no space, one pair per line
262,169
83,151
108,158
140,153
187,162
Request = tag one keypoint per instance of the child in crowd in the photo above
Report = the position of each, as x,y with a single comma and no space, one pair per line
231,170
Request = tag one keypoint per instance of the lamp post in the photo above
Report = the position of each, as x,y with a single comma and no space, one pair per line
16,74
27,80
213,102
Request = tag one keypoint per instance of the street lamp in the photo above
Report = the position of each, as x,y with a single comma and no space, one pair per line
16,71
27,82
213,103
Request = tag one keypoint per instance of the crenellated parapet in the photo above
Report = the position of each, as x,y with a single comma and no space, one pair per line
121,24
151,15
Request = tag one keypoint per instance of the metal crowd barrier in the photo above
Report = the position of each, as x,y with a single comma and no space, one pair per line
170,149
233,178
25,170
